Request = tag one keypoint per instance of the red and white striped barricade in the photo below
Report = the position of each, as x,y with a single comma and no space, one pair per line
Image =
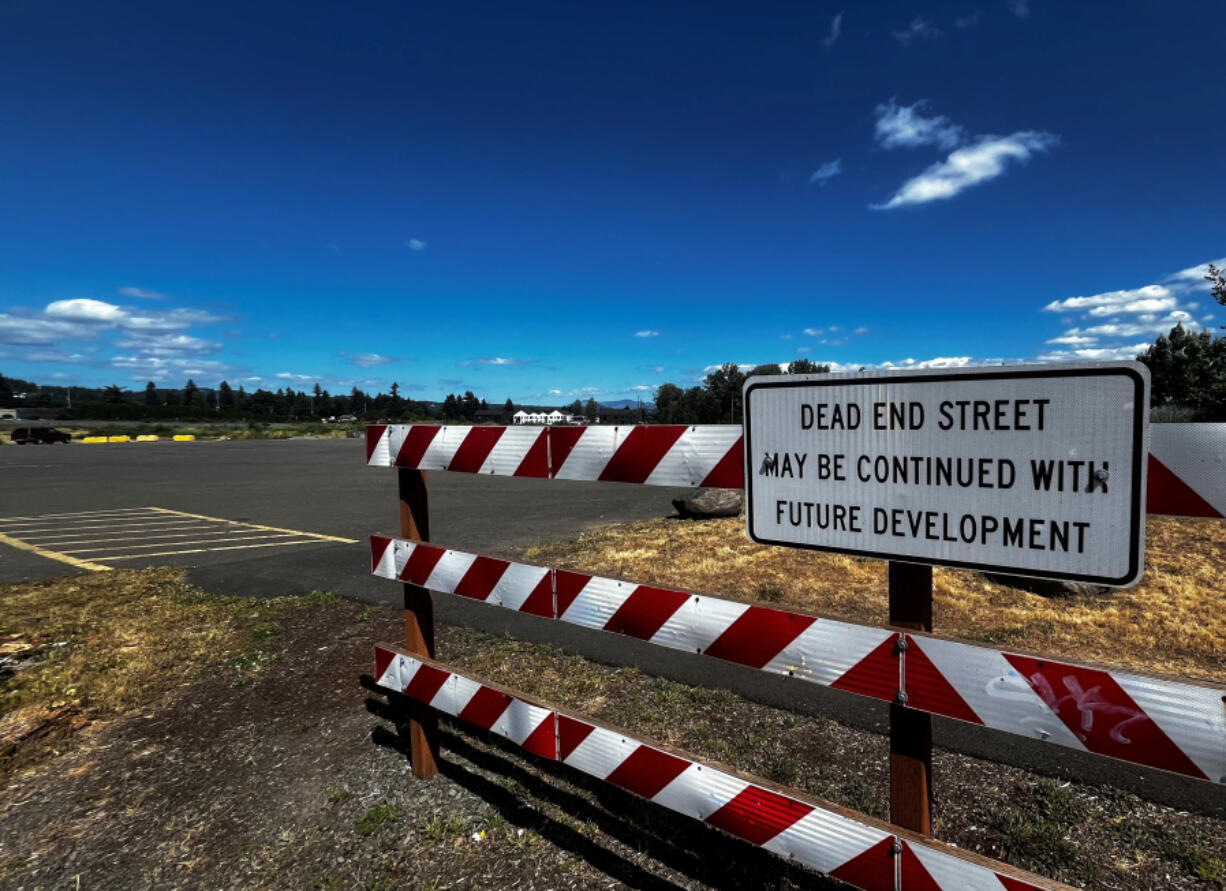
1158,722
820,835
1187,462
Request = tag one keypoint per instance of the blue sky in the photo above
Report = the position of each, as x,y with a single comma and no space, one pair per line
546,201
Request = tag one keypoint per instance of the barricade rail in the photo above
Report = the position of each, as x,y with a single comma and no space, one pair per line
1187,462
1163,723
1155,721
823,836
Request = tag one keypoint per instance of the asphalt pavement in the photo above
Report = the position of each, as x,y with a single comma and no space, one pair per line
271,517
313,486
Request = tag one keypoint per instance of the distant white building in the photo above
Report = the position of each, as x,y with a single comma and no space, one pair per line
542,417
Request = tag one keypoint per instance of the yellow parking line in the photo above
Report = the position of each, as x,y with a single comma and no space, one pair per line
80,513
180,513
275,544
47,538
160,544
88,524
51,555
195,530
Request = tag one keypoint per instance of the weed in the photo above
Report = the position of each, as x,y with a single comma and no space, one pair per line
437,829
1030,841
376,819
264,632
1056,803
770,593
248,663
785,771
367,614
320,598
524,840
861,796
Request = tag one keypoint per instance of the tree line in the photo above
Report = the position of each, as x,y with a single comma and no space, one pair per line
1187,370
718,399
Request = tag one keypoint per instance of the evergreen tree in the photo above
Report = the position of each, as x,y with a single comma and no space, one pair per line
451,408
670,405
1188,370
357,402
1217,285
151,394
724,383
113,395
509,407
395,405
191,393
770,368
225,396
591,410
807,366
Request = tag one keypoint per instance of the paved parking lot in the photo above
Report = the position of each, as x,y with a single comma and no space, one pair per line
266,516
101,539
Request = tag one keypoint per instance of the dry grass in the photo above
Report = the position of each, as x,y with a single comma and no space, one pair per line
84,649
1173,622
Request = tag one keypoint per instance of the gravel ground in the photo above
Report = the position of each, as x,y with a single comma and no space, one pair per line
289,776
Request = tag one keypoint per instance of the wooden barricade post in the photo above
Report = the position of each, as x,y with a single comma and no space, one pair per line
910,586
418,621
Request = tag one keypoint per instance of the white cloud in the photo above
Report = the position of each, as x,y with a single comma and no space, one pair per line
917,30
642,388
302,378
969,166
370,360
169,344
938,362
647,333
1073,338
171,320
151,367
968,21
54,356
861,330
836,28
1125,314
416,244
142,294
24,330
502,361
1151,298
902,126
1020,8
85,310
1194,276
827,171
1095,354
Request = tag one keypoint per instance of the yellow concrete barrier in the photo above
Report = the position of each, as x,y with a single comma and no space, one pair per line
119,439
146,437
94,439
184,438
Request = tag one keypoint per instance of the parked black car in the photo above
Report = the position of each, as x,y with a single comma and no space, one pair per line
49,435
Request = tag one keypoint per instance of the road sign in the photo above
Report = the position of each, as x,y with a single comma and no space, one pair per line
1029,470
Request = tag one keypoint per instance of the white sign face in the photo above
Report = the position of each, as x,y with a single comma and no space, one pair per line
1036,471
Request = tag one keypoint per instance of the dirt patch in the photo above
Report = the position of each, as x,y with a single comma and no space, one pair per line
1172,622
270,771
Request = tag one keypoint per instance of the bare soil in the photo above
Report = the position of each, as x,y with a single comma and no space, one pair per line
265,766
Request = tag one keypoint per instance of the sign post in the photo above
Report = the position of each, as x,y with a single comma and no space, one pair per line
1036,471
